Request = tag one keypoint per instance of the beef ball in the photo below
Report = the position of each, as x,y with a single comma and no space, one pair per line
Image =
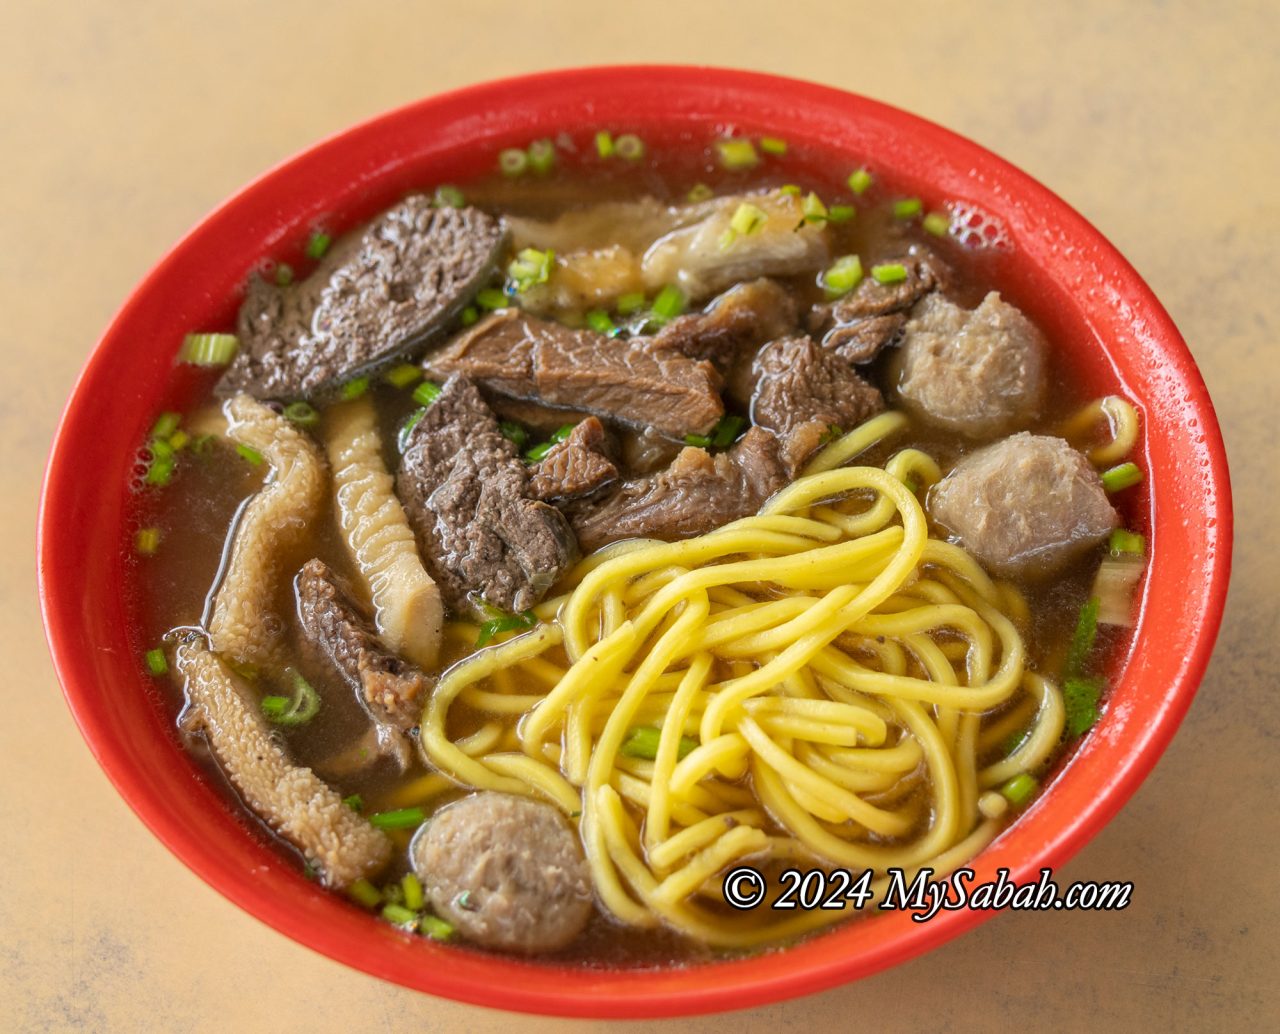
1025,505
507,871
980,372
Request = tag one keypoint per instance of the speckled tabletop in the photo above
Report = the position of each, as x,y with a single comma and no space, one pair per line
122,123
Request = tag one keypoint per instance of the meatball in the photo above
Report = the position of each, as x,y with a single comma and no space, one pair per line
1024,505
507,871
980,371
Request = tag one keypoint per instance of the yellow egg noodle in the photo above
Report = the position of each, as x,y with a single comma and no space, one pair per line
855,669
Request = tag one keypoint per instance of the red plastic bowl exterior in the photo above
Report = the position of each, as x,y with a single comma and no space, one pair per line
1090,298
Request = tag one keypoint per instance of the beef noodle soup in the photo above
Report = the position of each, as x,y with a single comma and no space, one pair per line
548,547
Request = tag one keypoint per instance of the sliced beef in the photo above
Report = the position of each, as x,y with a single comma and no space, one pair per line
393,691
857,326
525,357
379,296
797,382
697,493
540,419
978,372
1025,505
466,493
575,468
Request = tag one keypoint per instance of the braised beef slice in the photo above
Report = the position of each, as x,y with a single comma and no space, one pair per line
393,689
379,296
575,468
520,355
859,324
541,420
697,493
466,494
797,381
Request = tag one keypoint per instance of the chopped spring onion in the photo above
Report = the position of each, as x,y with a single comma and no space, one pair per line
401,818
813,208
700,192
1018,790
403,375
426,393
469,315
399,915
296,710
737,153
208,349
531,267
542,156
832,432
937,223
1080,700
599,321
1126,542
148,540
843,276
1013,741
841,213
411,887
562,432
642,742
318,244
302,413
514,432
284,274
889,273
629,147
747,218
159,471
178,440
448,196
859,180
604,144
1114,585
505,623
354,388
491,298
364,893
166,425
1126,475
403,437
538,452
629,303
249,454
513,161
1083,637
790,189
669,303
355,802
159,450
773,145
907,207
912,485
435,928
157,662
698,441
202,444
726,432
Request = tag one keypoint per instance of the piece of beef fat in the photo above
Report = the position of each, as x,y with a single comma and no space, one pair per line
465,490
379,296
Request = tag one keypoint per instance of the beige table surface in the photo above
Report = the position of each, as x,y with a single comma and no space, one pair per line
122,123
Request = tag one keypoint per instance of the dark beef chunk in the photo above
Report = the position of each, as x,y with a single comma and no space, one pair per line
466,493
797,381
520,355
697,493
379,296
872,315
575,468
801,442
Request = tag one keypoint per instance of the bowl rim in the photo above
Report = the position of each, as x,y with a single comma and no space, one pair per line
493,981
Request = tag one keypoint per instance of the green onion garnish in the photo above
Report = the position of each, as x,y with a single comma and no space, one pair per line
843,276
1013,741
1082,639
542,156
302,413
157,663
1126,475
505,623
364,893
353,389
906,207
841,213
699,441
491,298
700,192
791,189
166,425
426,393
629,147
642,742
937,223
401,818
148,541
513,432
604,143
832,432
402,438
629,303
1080,698
318,244
411,887
159,450
889,273
469,315
284,274
355,802
813,208
773,145
1019,789
599,321
1126,543
859,180
747,218
249,454
159,471
208,349
726,432
448,196
435,928
178,440
562,432
296,710
202,444
669,303
403,375
399,915
531,267
737,153
513,161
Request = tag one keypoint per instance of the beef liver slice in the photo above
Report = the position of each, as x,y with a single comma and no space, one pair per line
380,295
466,493
797,382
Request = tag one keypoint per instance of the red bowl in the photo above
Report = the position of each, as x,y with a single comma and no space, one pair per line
1075,284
